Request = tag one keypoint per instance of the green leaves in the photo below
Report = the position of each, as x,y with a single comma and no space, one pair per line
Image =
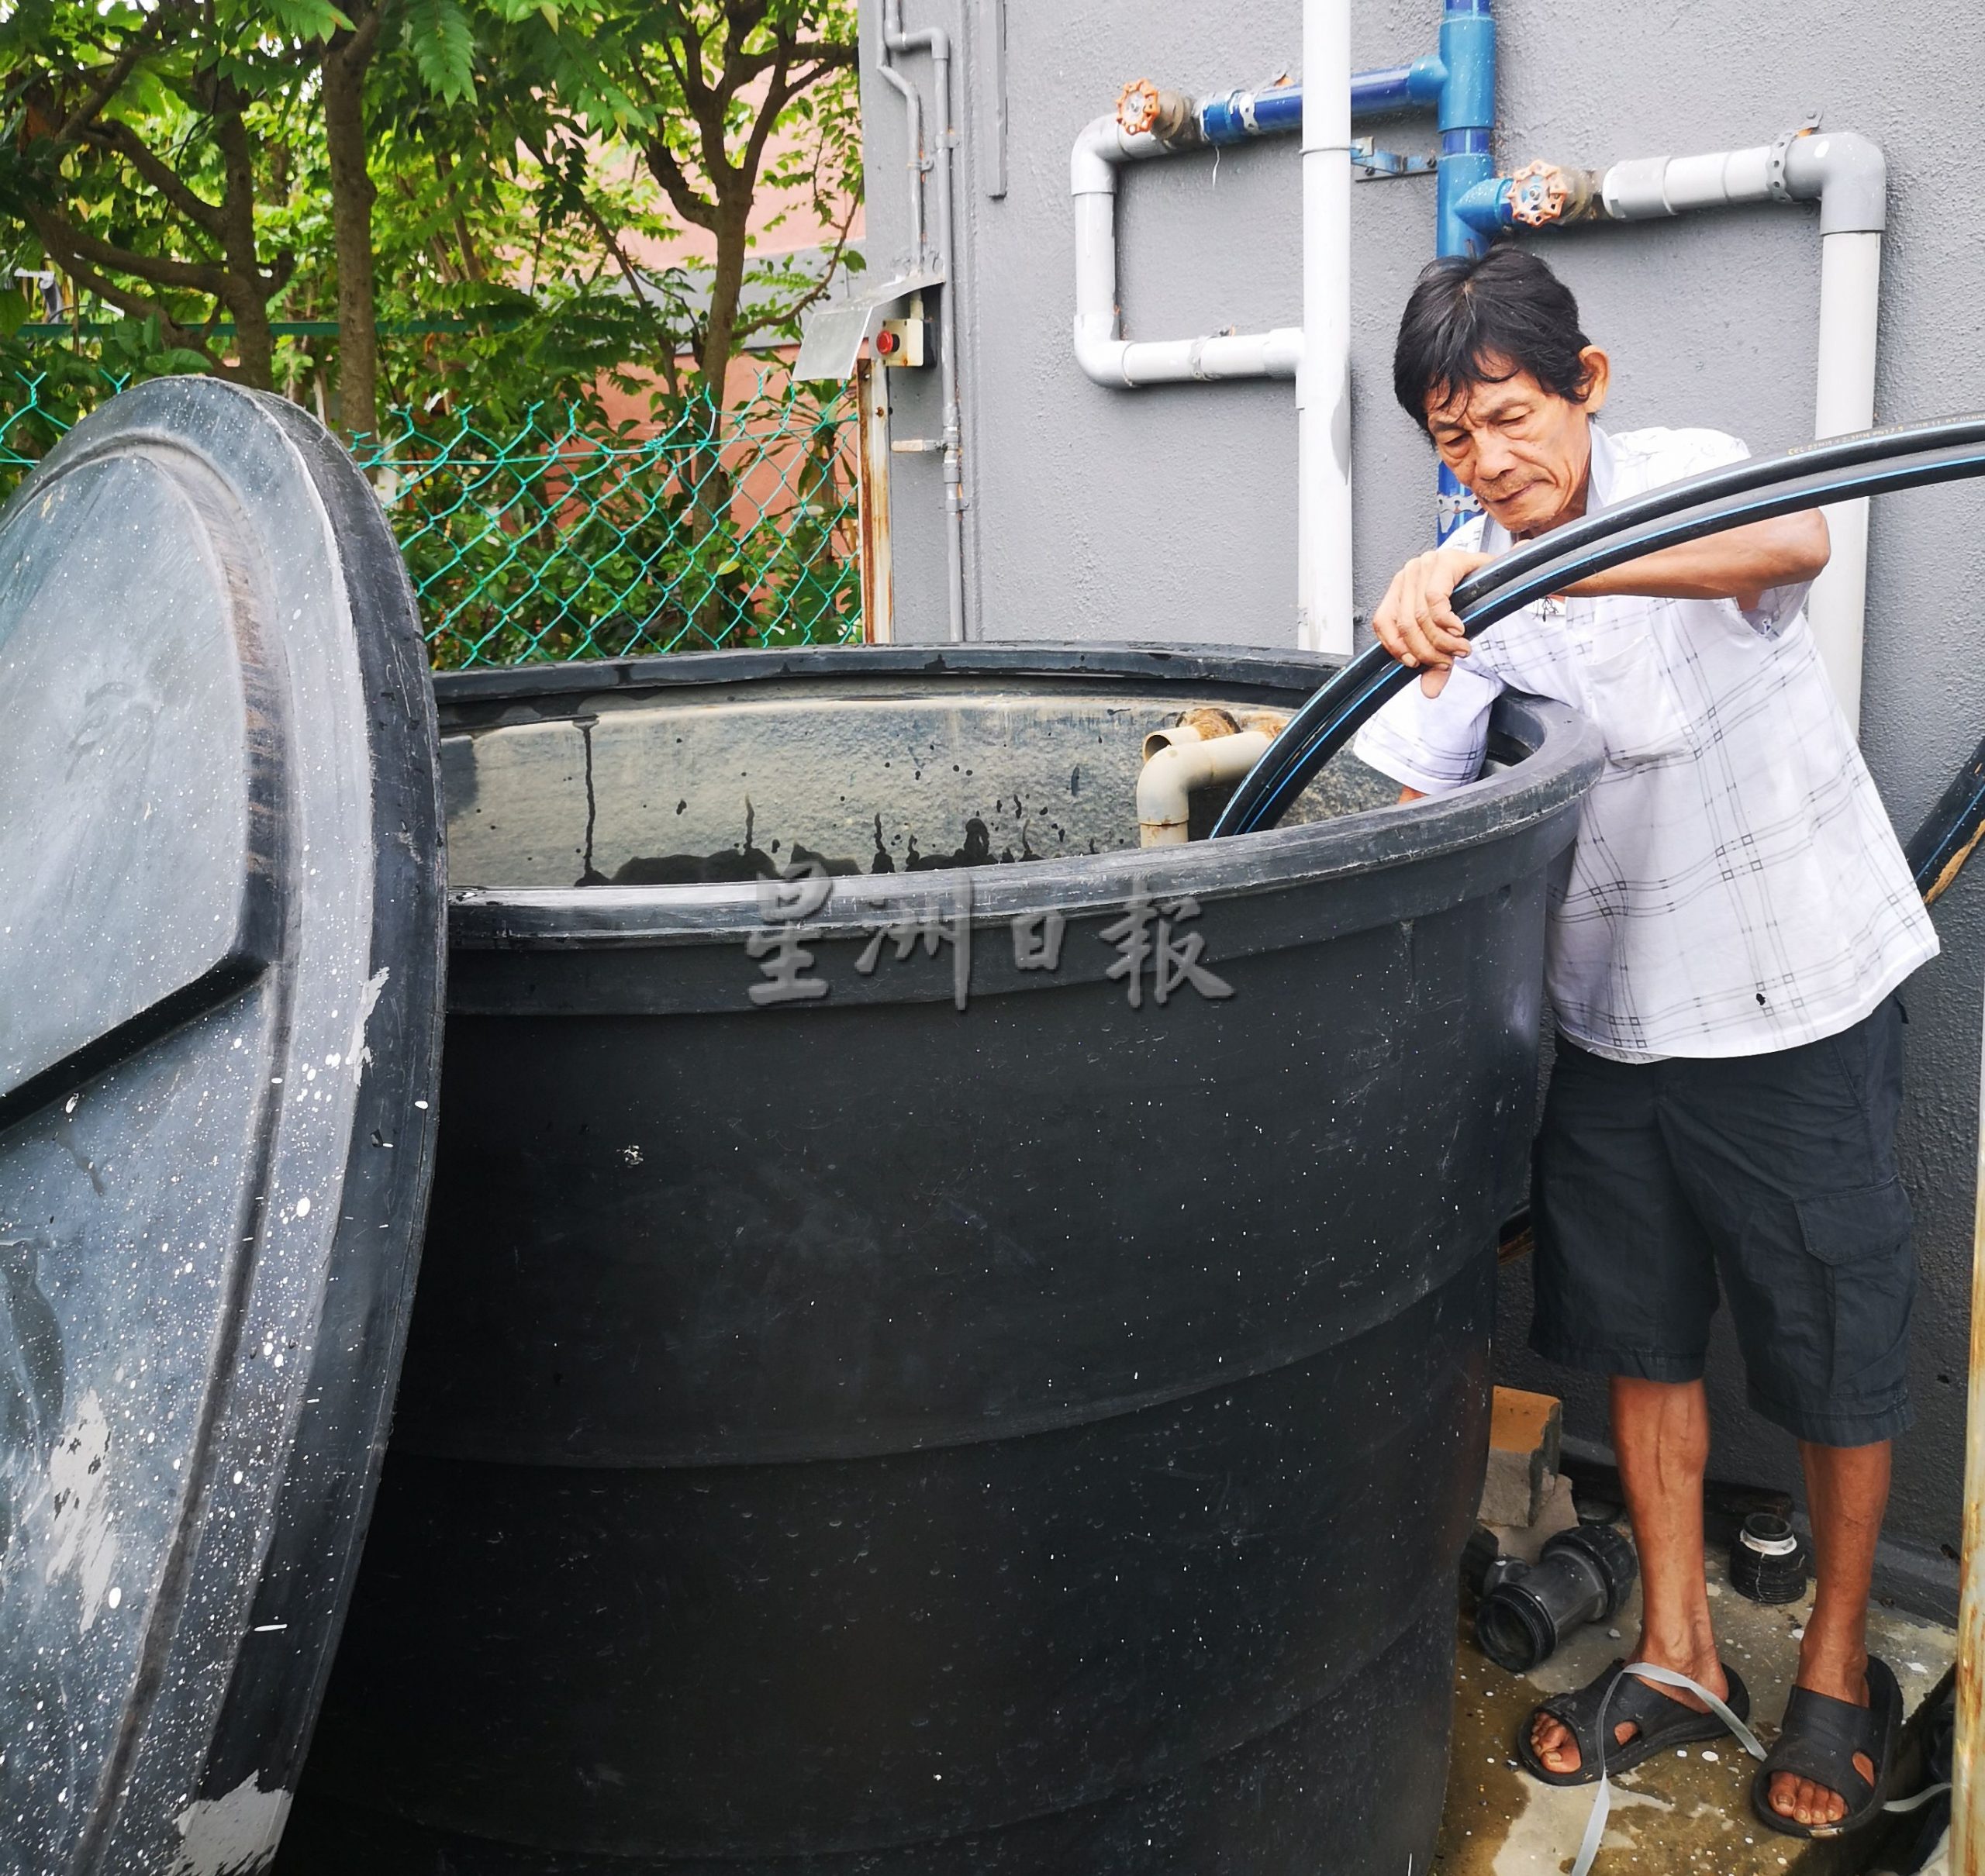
535,166
438,33
305,19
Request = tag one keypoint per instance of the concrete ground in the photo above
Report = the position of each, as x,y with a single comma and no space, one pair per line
1683,1813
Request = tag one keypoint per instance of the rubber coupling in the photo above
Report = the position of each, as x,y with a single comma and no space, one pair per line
1583,1576
1768,1562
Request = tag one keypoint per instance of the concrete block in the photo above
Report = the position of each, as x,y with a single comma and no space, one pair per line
1524,1433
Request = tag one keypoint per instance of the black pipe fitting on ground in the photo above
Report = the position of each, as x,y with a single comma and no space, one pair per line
1583,1575
1767,1563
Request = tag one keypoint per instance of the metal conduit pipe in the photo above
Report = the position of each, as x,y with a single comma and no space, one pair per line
935,41
1847,175
914,114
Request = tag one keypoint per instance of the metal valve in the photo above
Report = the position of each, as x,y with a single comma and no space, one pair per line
1145,109
1137,107
1539,194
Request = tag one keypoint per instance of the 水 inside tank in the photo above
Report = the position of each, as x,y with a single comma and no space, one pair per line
886,774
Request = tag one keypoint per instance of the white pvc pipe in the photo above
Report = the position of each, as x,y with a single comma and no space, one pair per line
1846,175
1176,772
1650,187
1317,356
1103,354
1850,296
1323,380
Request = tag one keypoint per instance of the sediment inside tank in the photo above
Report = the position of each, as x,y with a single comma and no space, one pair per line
707,787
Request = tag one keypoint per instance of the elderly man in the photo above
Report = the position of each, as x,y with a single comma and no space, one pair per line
1723,962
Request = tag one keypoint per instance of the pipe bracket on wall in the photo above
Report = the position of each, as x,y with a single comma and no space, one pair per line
1375,165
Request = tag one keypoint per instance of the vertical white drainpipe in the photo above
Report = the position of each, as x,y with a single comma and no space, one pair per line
1850,290
1850,176
947,339
1323,378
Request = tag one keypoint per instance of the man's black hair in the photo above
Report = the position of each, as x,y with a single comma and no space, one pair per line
1480,319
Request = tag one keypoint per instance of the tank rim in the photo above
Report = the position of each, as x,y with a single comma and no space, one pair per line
1559,750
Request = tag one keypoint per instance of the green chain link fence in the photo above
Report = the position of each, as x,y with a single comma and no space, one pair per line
563,536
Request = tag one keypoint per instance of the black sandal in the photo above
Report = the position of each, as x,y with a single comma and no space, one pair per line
1661,1722
1818,1740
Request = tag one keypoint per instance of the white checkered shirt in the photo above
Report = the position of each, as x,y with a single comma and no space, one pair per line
1735,886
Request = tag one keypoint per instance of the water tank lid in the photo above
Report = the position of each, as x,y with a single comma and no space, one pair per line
221,955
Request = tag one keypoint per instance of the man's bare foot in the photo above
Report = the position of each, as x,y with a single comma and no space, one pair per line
1558,1751
1799,1799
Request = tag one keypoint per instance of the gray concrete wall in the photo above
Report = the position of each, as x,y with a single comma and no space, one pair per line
1170,514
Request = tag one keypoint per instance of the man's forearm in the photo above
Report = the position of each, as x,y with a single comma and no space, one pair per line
1741,563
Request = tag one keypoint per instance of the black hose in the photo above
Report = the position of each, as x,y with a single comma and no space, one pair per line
1950,830
1874,462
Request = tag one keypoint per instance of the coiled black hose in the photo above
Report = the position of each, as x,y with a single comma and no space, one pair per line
1871,462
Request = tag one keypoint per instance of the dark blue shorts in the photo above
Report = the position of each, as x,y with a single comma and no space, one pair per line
1774,1174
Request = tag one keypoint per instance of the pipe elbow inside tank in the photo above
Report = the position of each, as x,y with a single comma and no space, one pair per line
1184,763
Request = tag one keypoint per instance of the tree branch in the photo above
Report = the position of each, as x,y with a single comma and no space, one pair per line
779,95
160,269
136,304
600,226
161,175
666,171
758,322
355,48
826,56
110,81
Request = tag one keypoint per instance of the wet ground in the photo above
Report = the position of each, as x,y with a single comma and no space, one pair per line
1683,1813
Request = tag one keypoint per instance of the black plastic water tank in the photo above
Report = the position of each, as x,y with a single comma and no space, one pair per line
845,1431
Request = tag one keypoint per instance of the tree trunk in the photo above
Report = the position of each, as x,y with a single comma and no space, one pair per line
249,288
732,232
352,194
254,343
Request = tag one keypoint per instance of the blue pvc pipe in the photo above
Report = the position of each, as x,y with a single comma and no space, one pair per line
1486,208
1459,80
1237,117
1468,116
1398,87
